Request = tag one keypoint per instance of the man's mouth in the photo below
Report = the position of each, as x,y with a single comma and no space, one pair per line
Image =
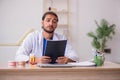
51,30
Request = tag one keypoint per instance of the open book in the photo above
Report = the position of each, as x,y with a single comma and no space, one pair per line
55,48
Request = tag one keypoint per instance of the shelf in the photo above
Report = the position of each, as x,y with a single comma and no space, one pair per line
61,8
61,12
63,25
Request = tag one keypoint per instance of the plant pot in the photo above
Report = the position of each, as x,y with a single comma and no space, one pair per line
99,59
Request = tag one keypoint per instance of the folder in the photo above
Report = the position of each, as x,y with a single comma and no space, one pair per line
55,49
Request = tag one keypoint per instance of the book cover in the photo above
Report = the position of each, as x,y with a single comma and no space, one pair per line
55,48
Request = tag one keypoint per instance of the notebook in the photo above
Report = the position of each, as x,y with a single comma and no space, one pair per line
55,48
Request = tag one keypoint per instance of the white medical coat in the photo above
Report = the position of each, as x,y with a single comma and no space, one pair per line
33,43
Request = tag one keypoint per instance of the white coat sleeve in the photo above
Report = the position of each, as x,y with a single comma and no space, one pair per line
69,52
25,49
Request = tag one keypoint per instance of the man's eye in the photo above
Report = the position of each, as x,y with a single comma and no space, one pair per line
54,21
48,20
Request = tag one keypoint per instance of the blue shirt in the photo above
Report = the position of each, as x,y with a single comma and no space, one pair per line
44,45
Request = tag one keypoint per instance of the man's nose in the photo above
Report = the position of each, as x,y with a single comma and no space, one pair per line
51,23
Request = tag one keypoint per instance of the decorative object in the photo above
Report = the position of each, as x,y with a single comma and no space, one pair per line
51,8
103,33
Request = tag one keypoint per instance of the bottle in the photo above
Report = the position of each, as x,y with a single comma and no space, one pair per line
32,59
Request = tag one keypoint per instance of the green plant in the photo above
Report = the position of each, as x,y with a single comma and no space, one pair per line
103,33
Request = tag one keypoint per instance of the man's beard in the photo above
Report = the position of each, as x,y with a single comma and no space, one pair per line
47,30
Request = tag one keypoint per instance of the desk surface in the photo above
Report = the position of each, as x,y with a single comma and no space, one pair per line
106,66
109,71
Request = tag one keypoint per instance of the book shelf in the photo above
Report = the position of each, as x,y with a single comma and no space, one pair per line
61,8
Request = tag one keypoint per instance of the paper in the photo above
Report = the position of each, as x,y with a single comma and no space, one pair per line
84,64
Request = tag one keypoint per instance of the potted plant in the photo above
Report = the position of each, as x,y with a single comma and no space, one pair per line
103,33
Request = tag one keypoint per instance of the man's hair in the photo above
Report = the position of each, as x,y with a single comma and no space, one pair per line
49,12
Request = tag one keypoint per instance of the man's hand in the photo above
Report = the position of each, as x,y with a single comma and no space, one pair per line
43,59
63,60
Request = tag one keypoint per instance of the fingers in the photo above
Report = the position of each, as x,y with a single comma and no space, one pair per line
62,60
44,59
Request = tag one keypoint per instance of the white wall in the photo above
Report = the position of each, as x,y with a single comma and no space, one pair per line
85,12
16,16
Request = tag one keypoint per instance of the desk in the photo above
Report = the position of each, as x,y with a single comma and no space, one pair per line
109,71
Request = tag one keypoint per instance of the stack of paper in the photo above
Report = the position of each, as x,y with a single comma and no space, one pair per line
84,64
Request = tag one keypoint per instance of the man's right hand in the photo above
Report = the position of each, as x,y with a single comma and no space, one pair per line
43,59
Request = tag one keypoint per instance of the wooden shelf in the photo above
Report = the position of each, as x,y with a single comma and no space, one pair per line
62,12
63,25
61,8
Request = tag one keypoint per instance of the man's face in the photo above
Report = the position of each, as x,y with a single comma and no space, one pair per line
49,24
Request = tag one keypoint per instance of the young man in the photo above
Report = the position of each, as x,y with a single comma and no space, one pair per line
35,43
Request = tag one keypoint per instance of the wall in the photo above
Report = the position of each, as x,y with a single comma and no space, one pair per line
17,16
85,12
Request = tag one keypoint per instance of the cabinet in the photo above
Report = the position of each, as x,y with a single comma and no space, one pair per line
61,8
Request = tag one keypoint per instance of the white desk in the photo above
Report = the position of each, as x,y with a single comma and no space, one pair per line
109,71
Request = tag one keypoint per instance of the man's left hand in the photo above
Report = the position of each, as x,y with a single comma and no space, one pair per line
62,60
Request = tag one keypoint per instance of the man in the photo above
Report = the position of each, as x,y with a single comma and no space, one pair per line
35,43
